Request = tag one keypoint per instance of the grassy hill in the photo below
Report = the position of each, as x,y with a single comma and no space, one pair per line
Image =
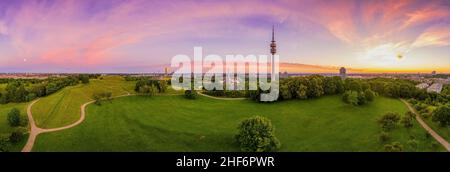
63,108
173,123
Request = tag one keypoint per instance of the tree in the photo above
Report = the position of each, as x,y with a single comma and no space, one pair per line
152,90
4,144
361,98
407,120
329,86
97,99
99,96
285,92
340,88
389,120
162,86
393,147
413,144
442,115
315,86
38,90
351,97
16,136
14,117
84,78
369,95
256,134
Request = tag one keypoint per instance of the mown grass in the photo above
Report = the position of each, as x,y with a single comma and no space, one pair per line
173,123
63,108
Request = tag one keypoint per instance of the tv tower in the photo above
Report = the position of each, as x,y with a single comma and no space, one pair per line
273,49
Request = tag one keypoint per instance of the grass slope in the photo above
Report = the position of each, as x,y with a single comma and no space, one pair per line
63,108
173,123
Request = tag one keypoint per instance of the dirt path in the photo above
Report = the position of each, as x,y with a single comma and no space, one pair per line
35,130
220,98
436,136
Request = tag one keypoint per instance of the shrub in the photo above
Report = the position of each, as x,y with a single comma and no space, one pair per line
14,117
16,136
191,94
393,147
99,96
351,97
370,95
152,90
407,120
162,86
384,137
4,144
389,121
413,144
257,135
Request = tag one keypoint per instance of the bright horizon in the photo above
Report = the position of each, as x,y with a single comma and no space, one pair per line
136,36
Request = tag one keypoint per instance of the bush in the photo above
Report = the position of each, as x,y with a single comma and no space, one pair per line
407,120
191,94
384,137
99,96
351,97
389,121
442,115
370,95
4,144
152,90
16,136
257,135
14,117
413,144
393,147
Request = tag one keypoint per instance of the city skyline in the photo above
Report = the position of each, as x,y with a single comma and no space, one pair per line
140,36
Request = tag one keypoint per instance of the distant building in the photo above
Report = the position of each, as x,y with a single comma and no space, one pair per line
166,71
343,72
422,86
284,74
433,73
436,87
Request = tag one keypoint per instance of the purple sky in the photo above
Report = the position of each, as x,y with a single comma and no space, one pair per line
143,35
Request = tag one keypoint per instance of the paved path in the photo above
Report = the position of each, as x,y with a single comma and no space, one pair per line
220,98
35,130
436,136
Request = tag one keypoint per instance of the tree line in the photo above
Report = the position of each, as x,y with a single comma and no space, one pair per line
26,90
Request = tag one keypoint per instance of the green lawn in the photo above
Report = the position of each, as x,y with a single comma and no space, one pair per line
173,123
5,129
63,108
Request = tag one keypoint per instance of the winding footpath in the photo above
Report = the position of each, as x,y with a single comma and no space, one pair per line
436,136
35,130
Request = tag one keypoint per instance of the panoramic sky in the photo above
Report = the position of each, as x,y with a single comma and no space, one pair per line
144,35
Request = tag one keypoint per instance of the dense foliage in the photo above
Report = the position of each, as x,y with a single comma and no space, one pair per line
442,115
257,135
389,121
150,87
14,117
100,96
23,90
190,94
